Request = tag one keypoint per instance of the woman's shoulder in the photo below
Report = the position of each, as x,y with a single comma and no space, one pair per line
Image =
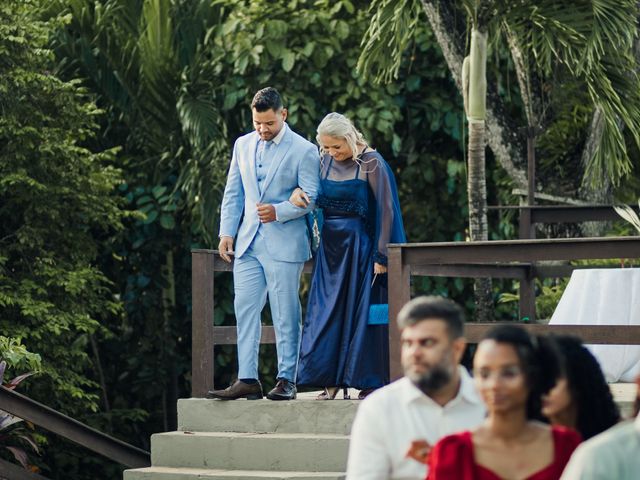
372,154
560,431
451,457
455,441
565,435
371,160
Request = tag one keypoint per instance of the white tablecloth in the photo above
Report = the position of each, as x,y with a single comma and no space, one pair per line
605,297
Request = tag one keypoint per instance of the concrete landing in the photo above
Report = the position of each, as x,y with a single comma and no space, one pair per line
297,416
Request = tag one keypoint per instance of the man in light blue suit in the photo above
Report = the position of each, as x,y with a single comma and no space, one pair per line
271,240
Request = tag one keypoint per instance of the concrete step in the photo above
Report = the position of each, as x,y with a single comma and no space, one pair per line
251,451
262,439
168,473
624,395
304,415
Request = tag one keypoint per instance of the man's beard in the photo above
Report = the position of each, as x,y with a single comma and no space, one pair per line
433,380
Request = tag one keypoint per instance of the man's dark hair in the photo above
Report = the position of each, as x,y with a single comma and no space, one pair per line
266,99
433,308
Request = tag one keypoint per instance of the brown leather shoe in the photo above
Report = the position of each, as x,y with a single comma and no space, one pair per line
239,389
284,390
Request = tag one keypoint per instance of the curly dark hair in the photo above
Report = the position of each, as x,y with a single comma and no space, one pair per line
596,409
538,359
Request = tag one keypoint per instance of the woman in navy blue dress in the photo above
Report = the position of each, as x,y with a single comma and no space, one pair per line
360,215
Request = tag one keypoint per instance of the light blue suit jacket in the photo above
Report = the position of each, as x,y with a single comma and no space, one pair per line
295,163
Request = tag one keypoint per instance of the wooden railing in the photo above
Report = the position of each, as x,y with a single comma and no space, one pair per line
506,259
530,216
521,266
60,424
11,471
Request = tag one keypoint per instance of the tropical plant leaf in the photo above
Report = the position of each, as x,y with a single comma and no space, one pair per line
30,441
12,384
388,36
628,214
20,455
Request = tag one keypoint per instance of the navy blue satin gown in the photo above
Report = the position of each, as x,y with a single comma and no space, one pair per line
338,347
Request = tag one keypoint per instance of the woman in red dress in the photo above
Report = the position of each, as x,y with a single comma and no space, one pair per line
512,371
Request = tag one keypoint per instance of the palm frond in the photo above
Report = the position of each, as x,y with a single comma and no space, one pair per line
628,214
158,69
593,39
200,119
388,36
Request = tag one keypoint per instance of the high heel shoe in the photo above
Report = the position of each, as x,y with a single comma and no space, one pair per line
330,393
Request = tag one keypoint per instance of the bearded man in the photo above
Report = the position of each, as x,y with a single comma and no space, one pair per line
396,426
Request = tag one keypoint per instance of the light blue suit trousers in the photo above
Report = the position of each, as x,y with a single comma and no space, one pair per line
256,275
270,256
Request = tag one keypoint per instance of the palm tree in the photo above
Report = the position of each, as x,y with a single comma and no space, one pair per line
146,61
590,40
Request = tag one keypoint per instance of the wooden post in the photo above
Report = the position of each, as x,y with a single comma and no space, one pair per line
399,294
527,303
202,268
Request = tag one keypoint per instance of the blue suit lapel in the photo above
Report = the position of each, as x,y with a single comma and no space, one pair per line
281,151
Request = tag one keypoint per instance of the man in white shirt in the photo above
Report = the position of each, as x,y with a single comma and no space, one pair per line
396,426
614,454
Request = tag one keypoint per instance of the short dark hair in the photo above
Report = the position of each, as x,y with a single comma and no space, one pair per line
433,308
267,98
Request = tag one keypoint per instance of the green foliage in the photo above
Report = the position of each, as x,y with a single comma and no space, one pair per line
548,295
56,199
17,357
57,206
16,436
591,43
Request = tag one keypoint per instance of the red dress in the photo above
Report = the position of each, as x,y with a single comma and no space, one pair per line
452,458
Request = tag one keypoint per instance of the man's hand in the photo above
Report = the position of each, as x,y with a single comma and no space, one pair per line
266,212
226,247
419,451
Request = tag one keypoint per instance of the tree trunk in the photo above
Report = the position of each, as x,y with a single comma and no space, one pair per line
478,228
476,98
593,195
170,394
501,136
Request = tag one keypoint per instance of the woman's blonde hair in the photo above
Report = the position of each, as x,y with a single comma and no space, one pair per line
337,125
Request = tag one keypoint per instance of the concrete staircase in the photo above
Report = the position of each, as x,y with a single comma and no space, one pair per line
250,440
247,440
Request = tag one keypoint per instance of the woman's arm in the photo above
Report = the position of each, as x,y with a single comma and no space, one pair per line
299,198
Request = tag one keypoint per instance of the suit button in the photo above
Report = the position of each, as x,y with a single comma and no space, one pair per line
260,166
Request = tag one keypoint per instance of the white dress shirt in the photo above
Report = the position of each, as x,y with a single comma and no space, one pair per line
392,417
612,455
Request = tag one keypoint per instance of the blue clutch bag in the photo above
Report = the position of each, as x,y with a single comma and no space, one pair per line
378,314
